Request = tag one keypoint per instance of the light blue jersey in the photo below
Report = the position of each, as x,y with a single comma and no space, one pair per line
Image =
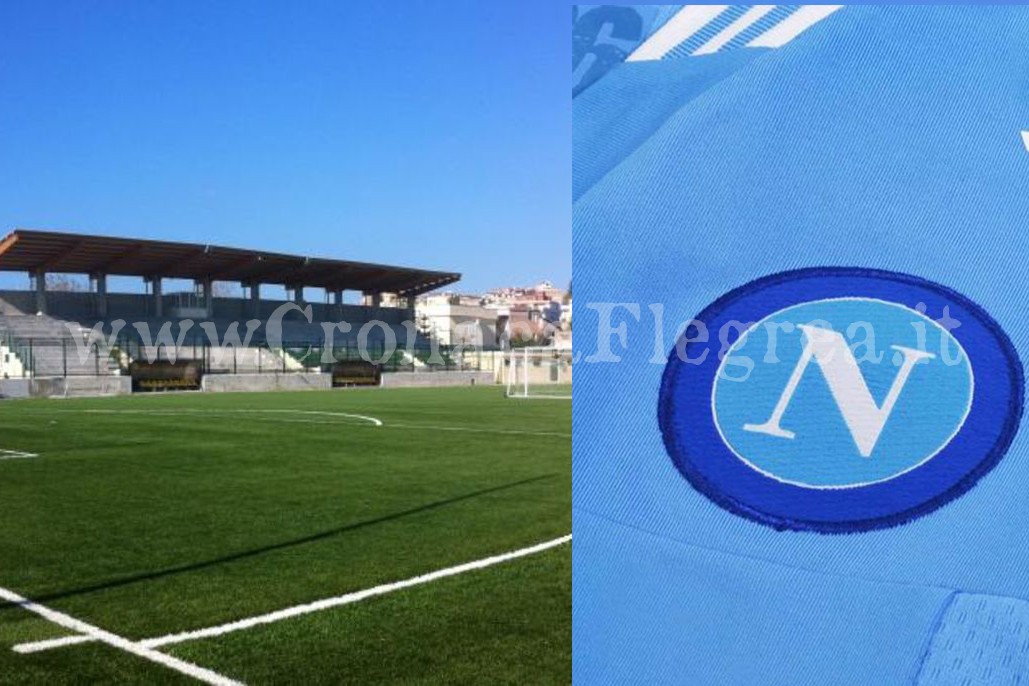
801,460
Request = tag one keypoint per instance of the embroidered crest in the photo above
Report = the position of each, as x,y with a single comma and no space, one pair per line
839,400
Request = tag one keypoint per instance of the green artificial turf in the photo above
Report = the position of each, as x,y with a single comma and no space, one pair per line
161,514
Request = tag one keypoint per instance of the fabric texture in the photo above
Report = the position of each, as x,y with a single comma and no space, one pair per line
980,639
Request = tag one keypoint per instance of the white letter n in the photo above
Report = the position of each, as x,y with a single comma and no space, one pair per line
863,417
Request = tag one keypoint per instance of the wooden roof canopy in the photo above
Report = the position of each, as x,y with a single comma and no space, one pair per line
26,250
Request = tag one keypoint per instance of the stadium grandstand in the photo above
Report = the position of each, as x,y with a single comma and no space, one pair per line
49,333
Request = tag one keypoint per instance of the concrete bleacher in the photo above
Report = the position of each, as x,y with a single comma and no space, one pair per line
56,340
135,309
53,347
222,359
292,335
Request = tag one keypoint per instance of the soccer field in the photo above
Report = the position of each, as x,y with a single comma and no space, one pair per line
229,537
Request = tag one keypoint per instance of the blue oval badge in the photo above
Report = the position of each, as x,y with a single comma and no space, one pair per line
840,400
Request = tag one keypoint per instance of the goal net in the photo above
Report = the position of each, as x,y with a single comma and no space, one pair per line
539,373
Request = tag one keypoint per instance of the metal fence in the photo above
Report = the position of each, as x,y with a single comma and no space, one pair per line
46,357
63,357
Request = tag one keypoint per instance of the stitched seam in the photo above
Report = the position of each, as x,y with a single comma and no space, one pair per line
933,630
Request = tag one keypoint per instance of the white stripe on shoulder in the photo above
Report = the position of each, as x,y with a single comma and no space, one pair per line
734,29
792,26
685,23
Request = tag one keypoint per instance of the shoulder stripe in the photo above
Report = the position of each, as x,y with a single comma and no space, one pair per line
707,29
734,29
791,27
688,21
760,26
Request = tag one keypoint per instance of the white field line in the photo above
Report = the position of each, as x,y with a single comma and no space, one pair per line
308,608
16,455
502,432
363,418
39,646
97,634
347,415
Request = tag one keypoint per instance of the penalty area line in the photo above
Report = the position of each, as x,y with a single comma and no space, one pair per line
92,633
309,608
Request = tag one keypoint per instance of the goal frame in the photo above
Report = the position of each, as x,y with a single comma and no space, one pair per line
521,358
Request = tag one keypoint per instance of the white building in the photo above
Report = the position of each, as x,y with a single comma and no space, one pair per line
451,322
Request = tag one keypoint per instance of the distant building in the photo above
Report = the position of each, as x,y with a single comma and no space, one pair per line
451,298
457,320
534,313
532,296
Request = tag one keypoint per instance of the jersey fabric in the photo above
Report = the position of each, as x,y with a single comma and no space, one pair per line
874,141
604,35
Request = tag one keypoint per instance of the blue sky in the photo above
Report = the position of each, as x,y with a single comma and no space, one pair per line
425,134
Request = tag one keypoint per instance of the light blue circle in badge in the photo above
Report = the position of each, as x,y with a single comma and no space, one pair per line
842,392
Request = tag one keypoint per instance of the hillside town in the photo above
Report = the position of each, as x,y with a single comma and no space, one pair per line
538,315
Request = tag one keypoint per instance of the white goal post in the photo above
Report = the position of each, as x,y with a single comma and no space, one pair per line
534,372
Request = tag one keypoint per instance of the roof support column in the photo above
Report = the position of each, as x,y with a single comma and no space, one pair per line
206,286
155,284
40,280
337,301
100,289
298,295
373,299
255,300
208,297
